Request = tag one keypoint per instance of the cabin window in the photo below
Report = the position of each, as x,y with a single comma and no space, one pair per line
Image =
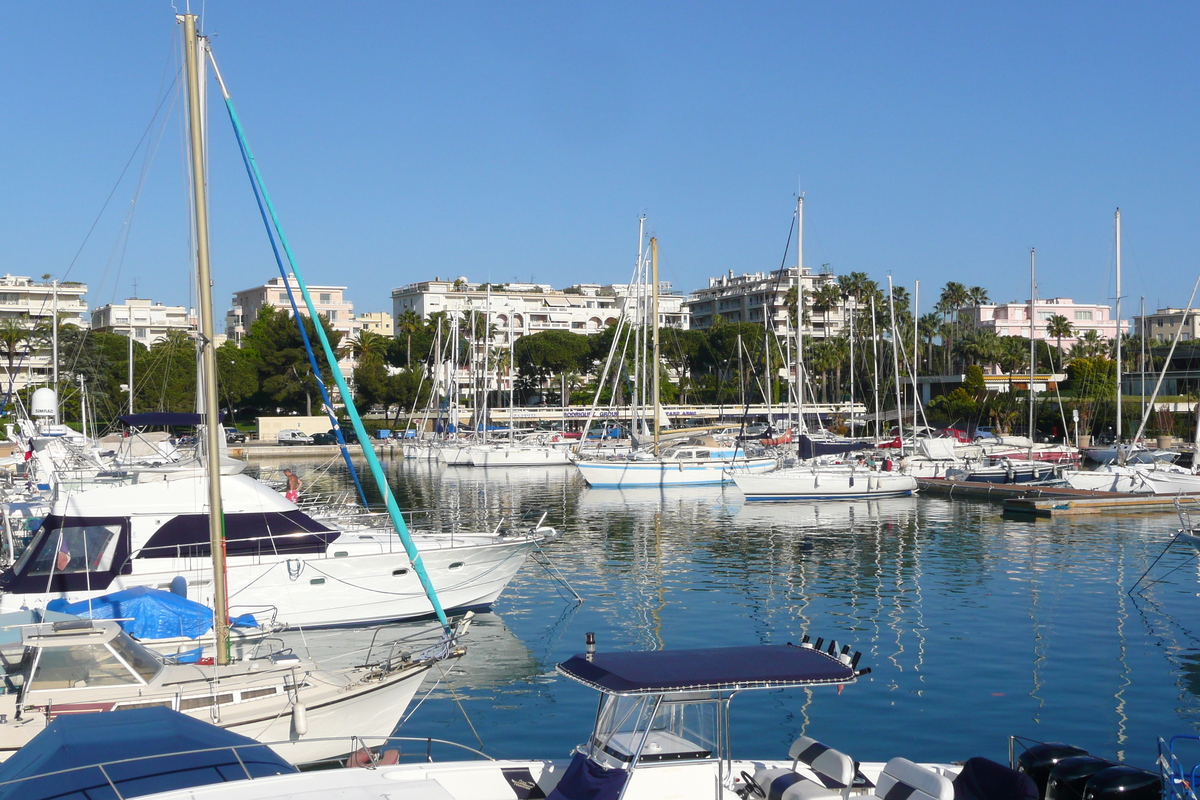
80,666
84,548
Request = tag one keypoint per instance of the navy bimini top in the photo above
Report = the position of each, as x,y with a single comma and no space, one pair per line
708,669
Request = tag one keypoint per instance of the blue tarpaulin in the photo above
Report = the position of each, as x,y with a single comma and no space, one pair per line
147,613
83,740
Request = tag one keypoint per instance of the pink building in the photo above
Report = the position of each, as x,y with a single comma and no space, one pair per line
1012,319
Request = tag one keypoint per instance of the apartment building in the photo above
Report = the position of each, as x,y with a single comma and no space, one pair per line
1161,326
330,302
379,322
520,309
147,321
1012,319
31,304
751,296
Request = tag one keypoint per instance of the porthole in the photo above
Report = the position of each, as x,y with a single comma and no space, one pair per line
458,565
341,553
397,573
317,581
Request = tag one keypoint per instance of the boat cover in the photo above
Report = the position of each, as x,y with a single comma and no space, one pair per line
146,613
83,740
709,669
812,449
586,778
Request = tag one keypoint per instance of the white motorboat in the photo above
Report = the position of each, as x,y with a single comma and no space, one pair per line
309,572
677,466
824,482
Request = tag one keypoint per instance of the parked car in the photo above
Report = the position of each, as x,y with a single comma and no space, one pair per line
985,432
294,436
234,436
324,438
347,433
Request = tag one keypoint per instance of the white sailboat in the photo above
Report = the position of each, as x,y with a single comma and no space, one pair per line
686,464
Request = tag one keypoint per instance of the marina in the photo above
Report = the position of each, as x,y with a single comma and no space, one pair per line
976,626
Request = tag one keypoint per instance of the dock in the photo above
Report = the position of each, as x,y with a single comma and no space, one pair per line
1049,501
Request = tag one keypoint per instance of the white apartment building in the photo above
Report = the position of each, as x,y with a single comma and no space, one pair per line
1012,319
149,322
745,298
520,309
330,302
32,304
1160,327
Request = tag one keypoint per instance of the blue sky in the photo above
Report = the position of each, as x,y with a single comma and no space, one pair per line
501,141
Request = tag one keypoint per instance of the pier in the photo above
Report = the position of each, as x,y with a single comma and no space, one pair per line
1049,501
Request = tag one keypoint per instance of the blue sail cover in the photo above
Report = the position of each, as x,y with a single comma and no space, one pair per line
79,741
146,613
811,449
710,669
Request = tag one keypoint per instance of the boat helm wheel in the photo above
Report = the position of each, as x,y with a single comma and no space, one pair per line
750,787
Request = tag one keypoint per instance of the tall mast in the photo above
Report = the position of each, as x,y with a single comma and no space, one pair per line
1142,358
896,361
1032,342
1117,314
208,364
800,315
54,348
654,323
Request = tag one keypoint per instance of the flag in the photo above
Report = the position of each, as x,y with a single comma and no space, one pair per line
64,554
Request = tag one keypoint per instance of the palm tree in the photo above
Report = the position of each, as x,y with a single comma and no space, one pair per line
978,296
407,324
1089,345
1060,328
367,347
826,299
953,297
929,327
981,346
13,338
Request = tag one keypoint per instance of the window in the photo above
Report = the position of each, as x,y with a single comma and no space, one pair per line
10,298
136,656
332,315
79,666
325,298
139,333
283,298
1083,315
86,548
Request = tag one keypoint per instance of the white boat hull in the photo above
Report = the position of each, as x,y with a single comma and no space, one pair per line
805,483
669,473
503,456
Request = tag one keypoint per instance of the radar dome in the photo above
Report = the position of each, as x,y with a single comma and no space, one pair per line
44,403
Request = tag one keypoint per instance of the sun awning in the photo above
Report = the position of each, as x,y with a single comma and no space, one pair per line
709,669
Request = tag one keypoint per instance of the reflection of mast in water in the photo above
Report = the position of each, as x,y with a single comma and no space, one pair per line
1039,641
897,611
1122,649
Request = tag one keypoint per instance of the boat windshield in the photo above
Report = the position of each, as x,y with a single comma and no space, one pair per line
79,666
673,728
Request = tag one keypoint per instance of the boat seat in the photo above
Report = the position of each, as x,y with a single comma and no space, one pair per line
817,771
902,778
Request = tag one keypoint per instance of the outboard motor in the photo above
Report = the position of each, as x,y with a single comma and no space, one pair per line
1069,777
1037,761
1123,783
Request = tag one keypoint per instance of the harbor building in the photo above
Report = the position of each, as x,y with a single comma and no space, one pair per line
751,296
27,306
1012,319
146,321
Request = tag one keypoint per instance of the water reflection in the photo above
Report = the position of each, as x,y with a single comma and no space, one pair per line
976,626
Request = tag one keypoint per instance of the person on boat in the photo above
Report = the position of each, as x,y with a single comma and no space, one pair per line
293,486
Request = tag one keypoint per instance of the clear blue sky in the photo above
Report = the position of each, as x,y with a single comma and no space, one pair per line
934,141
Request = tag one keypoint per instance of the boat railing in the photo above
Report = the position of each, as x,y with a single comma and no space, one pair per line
368,752
1178,782
1188,509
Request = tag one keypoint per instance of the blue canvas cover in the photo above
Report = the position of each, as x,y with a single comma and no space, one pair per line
149,614
708,669
587,780
83,740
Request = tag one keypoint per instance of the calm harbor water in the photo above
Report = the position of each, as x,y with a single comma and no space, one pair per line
976,626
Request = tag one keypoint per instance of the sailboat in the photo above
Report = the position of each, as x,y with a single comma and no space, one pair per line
691,463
